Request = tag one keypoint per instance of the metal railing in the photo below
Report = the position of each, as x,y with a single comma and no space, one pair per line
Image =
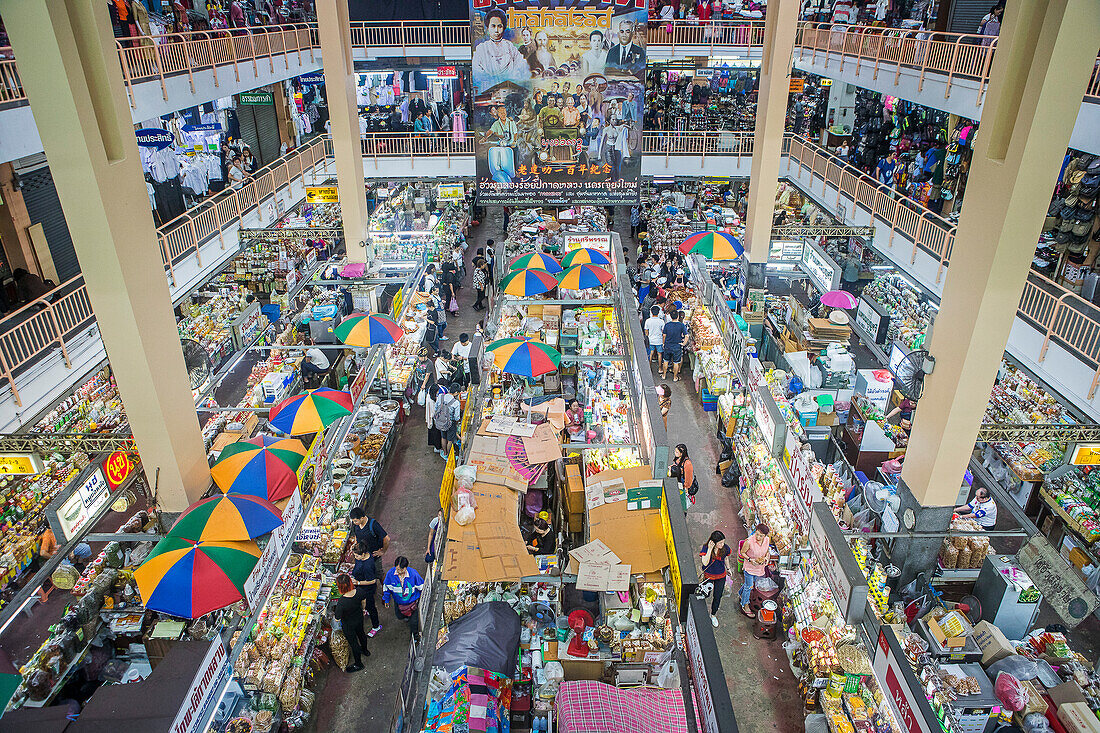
873,50
43,325
954,55
53,320
1067,319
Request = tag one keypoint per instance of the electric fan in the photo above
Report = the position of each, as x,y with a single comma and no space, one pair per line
197,361
911,371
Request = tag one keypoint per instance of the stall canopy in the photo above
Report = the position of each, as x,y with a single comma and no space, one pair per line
584,706
487,637
149,706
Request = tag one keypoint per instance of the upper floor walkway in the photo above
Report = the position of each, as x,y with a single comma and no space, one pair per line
47,346
947,71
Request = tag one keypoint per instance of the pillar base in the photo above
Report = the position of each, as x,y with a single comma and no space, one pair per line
915,555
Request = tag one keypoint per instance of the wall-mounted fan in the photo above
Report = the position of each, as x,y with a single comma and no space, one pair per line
197,361
911,371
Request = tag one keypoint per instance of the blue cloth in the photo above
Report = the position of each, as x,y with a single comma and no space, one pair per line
746,587
674,335
364,569
404,590
83,551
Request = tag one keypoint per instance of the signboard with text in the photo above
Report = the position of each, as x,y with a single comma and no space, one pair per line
706,717
806,489
256,98
118,467
1057,580
898,681
451,192
259,583
823,272
1084,454
602,242
559,92
446,72
322,195
838,565
88,498
21,464
198,703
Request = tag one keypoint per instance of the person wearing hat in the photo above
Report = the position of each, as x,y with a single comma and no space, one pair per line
541,539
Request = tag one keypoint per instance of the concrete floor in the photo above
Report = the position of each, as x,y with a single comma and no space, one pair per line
367,700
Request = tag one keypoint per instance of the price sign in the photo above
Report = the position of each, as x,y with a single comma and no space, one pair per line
451,191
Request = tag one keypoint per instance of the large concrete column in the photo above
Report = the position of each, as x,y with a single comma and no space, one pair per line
71,73
334,30
1045,55
780,24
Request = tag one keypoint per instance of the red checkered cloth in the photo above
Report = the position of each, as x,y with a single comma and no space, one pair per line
593,707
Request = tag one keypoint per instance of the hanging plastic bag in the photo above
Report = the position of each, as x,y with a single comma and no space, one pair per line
1010,692
420,398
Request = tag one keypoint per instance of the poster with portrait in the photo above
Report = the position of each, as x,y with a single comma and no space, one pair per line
559,88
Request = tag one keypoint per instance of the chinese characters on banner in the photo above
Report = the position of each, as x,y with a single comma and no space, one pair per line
558,100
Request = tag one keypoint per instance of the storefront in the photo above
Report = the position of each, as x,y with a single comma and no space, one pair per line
682,97
393,98
411,219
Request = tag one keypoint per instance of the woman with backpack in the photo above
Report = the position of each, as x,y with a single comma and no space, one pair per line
683,470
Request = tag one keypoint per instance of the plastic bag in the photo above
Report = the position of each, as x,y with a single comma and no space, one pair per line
464,516
1010,692
465,476
420,398
463,498
766,585
1036,723
1016,665
731,476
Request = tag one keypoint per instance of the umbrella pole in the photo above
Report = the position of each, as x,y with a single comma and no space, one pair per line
386,376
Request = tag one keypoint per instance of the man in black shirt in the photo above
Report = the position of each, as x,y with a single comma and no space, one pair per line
369,532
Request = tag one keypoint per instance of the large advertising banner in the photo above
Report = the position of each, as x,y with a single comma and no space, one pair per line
559,90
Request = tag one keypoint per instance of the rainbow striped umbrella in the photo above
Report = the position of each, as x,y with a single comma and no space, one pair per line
527,282
227,517
713,246
524,357
360,329
265,467
583,276
585,255
190,578
311,411
536,261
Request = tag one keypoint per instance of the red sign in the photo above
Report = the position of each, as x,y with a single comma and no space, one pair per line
358,384
117,468
901,698
446,72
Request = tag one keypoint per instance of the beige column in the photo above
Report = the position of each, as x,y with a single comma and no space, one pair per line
1045,55
14,222
780,24
334,30
70,70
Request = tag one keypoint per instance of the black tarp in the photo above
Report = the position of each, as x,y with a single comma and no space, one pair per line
53,719
149,706
409,10
486,637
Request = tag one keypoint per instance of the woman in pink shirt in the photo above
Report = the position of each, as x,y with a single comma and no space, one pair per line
754,554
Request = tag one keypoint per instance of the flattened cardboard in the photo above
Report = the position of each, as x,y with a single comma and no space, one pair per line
618,577
592,576
543,446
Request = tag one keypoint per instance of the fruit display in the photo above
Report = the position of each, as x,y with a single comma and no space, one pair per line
910,312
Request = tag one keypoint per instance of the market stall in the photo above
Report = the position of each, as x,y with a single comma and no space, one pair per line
417,218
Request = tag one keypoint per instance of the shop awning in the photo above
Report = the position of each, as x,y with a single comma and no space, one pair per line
149,706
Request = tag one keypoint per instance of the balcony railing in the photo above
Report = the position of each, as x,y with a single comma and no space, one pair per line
954,55
242,51
1066,319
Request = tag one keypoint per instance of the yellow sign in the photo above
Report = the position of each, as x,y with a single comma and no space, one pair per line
22,464
451,191
307,464
797,85
673,564
1086,454
446,487
826,82
322,195
398,301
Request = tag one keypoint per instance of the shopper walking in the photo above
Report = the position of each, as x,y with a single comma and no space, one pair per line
403,586
431,404
655,332
364,576
754,558
369,532
448,412
460,358
716,569
683,470
481,281
433,537
664,401
350,614
672,352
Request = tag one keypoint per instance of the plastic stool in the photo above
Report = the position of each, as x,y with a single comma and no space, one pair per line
766,625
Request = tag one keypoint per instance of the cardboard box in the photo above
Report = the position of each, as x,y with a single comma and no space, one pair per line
993,643
572,470
576,522
1036,703
948,642
1078,718
1066,693
826,418
643,497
